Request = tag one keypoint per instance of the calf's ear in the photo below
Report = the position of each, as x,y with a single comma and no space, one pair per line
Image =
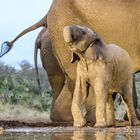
74,57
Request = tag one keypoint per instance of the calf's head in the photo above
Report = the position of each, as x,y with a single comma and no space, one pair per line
83,42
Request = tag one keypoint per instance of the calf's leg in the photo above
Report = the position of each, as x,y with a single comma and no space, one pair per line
77,102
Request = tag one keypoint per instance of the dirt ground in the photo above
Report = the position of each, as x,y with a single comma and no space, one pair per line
44,123
29,123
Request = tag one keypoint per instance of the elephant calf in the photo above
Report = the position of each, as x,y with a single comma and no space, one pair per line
106,68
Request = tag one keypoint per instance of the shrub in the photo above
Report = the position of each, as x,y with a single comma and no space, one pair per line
20,87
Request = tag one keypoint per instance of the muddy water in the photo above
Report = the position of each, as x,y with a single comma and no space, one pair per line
69,133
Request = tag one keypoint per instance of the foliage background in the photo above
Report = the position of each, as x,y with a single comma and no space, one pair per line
20,88
20,97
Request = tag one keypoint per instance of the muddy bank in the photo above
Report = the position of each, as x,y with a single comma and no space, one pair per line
28,123
44,123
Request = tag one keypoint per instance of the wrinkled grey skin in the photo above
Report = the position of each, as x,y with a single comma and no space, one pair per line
107,68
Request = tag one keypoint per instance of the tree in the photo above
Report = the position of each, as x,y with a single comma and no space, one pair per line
25,65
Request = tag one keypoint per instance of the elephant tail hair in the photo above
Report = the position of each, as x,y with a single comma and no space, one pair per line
6,46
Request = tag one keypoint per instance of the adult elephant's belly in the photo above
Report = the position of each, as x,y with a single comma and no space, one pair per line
117,22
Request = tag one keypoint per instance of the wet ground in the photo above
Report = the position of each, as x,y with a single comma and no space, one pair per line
62,131
70,133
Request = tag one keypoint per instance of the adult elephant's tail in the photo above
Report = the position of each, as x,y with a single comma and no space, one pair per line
38,46
6,46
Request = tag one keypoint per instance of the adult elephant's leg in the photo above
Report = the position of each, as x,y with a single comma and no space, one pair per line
62,96
61,110
135,100
56,78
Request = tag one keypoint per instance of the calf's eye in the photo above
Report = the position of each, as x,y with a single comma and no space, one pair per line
83,32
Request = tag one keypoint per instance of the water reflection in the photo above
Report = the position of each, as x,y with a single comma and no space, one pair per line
79,134
103,135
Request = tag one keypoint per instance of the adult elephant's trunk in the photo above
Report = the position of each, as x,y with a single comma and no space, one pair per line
6,46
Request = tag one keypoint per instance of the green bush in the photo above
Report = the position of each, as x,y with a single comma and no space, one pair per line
20,87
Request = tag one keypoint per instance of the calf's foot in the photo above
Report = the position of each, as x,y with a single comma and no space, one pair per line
101,124
80,123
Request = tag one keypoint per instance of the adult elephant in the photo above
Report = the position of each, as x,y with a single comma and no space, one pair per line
112,20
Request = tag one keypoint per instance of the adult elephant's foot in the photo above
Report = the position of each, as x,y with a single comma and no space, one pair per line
61,116
61,112
61,109
79,123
